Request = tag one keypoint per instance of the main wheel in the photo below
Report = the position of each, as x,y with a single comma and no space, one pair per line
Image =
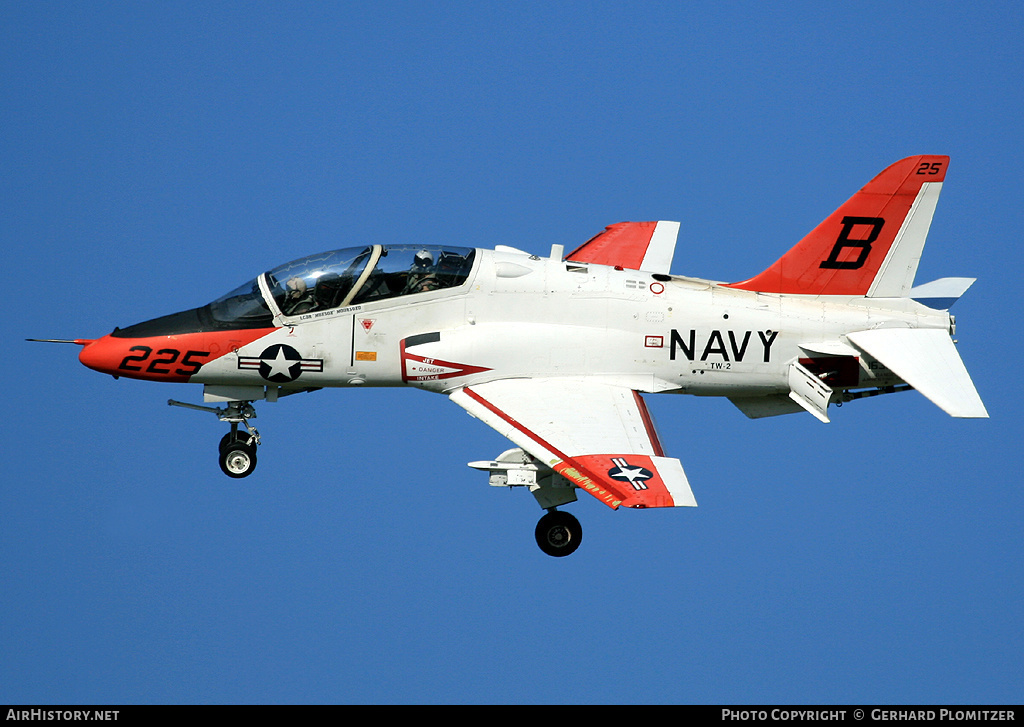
237,459
559,533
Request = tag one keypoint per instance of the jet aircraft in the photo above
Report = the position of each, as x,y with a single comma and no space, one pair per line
556,353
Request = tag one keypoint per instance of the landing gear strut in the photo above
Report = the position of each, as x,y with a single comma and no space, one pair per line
559,533
237,448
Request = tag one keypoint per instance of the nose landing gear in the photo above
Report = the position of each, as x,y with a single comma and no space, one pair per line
237,448
238,452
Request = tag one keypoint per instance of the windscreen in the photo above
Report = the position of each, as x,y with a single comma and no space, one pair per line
243,306
317,282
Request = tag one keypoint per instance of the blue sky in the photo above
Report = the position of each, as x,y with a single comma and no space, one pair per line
155,156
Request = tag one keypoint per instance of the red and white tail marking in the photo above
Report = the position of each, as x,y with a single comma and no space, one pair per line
871,244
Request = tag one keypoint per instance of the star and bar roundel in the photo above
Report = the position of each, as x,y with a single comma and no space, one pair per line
280,364
623,471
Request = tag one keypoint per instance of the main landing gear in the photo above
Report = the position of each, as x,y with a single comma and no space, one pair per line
559,533
237,447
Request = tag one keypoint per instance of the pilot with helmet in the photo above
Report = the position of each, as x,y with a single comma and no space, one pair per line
422,275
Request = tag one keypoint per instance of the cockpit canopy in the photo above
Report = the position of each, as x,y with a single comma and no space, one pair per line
329,280
353,276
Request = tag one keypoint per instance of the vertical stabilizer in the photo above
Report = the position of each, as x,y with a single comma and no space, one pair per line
871,245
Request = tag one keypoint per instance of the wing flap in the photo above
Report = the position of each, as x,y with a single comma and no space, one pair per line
598,436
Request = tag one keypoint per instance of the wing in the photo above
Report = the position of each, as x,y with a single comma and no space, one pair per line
598,436
647,246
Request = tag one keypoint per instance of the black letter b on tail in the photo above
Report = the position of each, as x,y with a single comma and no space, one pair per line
844,241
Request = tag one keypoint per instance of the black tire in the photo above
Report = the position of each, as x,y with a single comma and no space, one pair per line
559,533
237,459
231,438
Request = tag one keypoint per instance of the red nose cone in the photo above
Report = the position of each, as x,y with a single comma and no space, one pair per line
160,358
163,358
104,355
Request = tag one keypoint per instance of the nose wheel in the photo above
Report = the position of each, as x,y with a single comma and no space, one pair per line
559,533
237,450
237,454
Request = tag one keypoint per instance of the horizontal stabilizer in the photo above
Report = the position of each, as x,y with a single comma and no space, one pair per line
941,294
927,359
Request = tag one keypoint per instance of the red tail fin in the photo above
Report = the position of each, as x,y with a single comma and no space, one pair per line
857,243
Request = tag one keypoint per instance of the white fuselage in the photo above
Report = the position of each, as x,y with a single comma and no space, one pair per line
518,315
